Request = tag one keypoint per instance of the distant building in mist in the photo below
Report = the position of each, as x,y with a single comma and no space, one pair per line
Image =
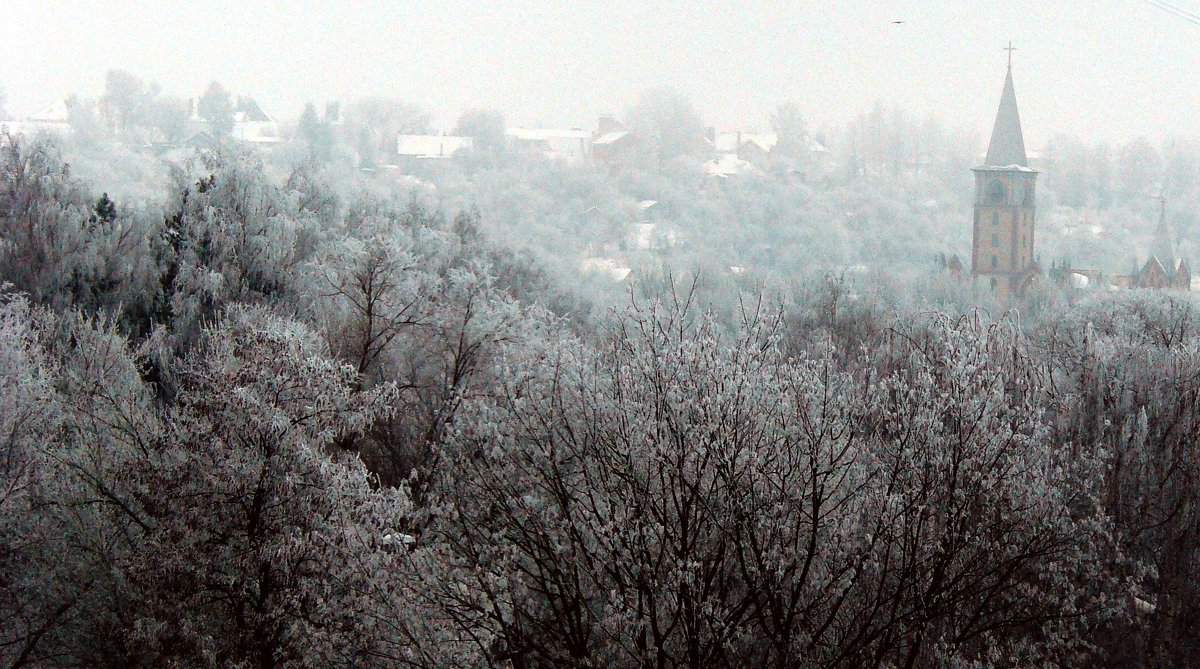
553,143
431,147
1153,275
613,145
1162,270
747,152
752,147
253,125
54,118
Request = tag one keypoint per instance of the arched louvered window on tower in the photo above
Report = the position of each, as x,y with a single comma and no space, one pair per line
996,192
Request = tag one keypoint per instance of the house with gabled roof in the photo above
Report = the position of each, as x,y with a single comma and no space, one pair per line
1163,270
53,118
552,143
55,113
1154,275
252,124
613,145
610,269
751,147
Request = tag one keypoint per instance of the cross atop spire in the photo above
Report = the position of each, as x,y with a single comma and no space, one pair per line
1010,48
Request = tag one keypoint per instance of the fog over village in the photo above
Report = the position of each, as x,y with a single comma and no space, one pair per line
623,334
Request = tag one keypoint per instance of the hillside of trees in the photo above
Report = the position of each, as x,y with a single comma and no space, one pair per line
269,411
891,196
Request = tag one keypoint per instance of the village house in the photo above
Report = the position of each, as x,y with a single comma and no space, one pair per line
555,144
737,152
431,147
253,125
752,147
725,165
1162,270
651,231
612,270
54,118
613,145
1154,276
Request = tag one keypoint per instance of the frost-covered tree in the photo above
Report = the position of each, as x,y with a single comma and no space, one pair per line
486,128
1125,372
216,107
232,236
369,292
61,247
169,116
373,123
315,132
668,124
28,420
411,300
791,130
677,498
220,531
124,102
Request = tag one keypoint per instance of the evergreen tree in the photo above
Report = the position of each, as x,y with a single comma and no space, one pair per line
315,132
105,210
216,107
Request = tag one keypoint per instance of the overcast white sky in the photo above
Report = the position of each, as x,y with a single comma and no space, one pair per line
1102,69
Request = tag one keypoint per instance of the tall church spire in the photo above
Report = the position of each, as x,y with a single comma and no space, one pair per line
1008,144
1003,233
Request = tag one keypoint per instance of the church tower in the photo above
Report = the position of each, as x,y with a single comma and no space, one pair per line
1002,244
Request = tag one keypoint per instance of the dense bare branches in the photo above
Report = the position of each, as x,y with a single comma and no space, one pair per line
676,499
297,431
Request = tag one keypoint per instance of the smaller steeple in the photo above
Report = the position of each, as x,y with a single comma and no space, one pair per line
1163,247
1008,143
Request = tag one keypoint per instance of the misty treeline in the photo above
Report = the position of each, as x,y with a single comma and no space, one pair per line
893,191
271,422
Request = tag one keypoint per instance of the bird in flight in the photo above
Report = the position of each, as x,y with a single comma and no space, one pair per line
897,22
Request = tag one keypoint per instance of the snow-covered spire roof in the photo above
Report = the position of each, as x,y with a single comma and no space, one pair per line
1008,144
55,112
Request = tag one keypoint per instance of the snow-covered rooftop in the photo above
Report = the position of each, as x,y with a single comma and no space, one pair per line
611,137
730,142
546,134
728,164
432,146
1004,168
608,267
55,112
